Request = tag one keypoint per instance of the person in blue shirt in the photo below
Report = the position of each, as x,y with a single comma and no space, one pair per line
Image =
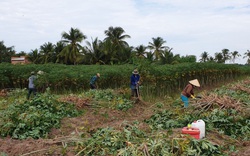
134,83
93,81
31,86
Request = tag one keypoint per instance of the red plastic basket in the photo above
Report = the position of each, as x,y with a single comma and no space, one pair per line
194,132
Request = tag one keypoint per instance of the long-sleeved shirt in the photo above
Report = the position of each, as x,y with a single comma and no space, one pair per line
93,80
31,81
188,90
134,79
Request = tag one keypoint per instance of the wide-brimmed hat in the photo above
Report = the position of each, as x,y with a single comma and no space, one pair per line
135,72
32,73
195,82
40,72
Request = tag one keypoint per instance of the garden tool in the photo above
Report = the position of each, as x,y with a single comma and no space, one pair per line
198,96
137,91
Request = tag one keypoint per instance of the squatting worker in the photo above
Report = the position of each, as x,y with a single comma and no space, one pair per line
31,86
134,83
188,91
93,81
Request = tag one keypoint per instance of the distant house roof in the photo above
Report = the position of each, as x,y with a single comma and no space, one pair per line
18,59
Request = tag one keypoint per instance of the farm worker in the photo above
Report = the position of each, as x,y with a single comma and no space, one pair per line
188,91
31,86
93,81
134,83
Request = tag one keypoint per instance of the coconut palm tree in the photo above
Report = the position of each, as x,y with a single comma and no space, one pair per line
46,51
140,51
34,56
168,57
116,36
72,51
211,59
124,55
219,58
226,55
247,55
157,47
150,57
115,45
93,52
235,54
58,48
204,57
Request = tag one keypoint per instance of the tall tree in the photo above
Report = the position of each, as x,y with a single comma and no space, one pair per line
219,58
226,55
247,55
140,51
34,56
46,51
211,59
235,55
93,52
72,51
58,48
124,55
204,57
116,36
115,42
157,47
168,57
150,57
6,52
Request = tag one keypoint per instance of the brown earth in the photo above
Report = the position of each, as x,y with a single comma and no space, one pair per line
91,120
71,128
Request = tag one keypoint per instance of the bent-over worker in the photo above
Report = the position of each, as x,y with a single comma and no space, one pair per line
188,91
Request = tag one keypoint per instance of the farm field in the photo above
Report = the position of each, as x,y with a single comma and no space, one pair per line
107,122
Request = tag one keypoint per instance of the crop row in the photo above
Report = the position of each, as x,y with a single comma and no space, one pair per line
155,79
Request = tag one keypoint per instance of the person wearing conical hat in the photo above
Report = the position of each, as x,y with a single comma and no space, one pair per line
188,91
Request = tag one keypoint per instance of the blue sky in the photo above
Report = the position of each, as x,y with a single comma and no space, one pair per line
187,26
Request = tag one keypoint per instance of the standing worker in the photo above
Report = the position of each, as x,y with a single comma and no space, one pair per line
31,86
134,83
188,91
93,81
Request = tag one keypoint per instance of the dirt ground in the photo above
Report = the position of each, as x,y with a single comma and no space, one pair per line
71,127
91,120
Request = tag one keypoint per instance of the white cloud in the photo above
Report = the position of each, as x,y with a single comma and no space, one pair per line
189,27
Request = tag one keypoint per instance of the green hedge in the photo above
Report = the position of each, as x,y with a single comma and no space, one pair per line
156,79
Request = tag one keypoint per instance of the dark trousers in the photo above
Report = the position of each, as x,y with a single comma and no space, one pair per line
31,90
92,86
135,92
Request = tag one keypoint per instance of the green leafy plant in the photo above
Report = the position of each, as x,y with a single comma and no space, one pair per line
107,98
34,118
167,119
229,122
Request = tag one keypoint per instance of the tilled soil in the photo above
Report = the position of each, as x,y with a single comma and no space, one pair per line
71,127
56,143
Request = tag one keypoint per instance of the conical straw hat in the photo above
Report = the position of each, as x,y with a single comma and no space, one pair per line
195,82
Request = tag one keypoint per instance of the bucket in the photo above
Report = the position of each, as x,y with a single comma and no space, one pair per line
201,125
194,132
